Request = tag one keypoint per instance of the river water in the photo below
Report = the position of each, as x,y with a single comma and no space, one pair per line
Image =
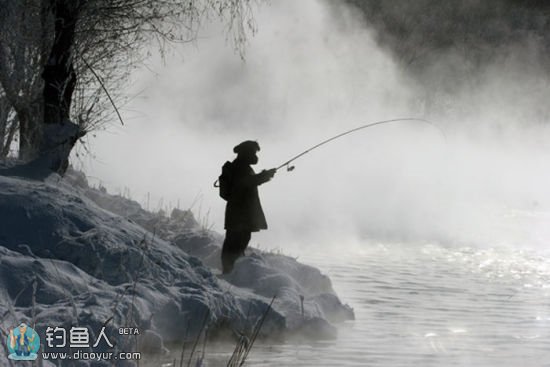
428,305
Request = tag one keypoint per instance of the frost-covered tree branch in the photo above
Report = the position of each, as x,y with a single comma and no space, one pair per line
63,62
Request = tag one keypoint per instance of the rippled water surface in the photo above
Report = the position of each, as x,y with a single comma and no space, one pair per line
428,306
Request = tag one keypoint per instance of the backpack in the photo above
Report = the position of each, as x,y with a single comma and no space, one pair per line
226,180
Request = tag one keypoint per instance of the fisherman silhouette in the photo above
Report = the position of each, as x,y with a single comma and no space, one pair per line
243,212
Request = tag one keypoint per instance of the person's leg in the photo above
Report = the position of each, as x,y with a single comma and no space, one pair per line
230,250
233,247
243,243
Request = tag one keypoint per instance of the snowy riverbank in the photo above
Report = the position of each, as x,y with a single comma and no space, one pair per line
76,256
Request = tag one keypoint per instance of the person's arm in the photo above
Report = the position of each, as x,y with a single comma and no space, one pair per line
258,179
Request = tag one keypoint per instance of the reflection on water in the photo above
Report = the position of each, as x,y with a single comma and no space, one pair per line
428,306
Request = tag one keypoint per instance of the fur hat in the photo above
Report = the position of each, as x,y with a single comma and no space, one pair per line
248,146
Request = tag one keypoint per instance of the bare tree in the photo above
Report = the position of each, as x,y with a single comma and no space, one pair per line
21,56
60,60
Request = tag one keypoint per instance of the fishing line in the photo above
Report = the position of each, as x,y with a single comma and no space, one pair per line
290,168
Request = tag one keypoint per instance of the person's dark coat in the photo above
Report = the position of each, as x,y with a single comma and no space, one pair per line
244,211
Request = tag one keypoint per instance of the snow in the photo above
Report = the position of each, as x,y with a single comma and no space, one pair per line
72,255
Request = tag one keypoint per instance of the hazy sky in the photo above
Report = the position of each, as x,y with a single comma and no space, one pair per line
309,74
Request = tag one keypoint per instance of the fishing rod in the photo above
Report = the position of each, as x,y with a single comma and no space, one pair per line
290,168
403,119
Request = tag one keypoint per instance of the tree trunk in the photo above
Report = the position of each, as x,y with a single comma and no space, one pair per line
59,76
29,135
59,83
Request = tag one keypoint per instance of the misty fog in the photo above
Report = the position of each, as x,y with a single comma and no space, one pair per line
311,72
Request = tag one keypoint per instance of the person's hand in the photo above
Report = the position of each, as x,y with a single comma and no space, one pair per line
267,174
271,172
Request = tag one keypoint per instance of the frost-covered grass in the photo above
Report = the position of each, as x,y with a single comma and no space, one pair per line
76,256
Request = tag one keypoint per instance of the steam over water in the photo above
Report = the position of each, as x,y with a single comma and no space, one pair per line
311,72
439,244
